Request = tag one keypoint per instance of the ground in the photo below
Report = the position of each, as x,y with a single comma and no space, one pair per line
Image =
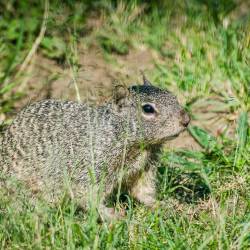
201,52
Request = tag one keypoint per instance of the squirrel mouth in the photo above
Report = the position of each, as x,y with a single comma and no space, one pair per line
172,137
165,139
168,138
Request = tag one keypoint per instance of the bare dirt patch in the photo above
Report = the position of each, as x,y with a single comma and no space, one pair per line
95,77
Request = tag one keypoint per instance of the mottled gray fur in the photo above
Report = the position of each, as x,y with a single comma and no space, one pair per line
52,141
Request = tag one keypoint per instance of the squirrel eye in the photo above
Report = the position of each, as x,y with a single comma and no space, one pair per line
148,109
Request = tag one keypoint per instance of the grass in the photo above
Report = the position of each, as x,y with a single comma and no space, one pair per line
202,53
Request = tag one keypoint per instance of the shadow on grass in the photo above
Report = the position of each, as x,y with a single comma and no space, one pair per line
187,187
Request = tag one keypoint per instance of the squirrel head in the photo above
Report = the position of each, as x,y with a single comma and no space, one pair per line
154,114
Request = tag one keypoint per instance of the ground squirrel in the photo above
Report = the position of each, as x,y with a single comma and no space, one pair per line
52,141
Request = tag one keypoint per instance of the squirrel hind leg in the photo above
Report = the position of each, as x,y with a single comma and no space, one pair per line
110,213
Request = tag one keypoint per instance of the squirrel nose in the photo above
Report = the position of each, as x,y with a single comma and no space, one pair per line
185,119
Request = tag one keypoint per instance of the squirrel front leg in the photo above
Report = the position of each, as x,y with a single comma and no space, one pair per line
144,189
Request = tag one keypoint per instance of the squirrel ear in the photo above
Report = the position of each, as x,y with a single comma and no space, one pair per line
146,82
120,94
